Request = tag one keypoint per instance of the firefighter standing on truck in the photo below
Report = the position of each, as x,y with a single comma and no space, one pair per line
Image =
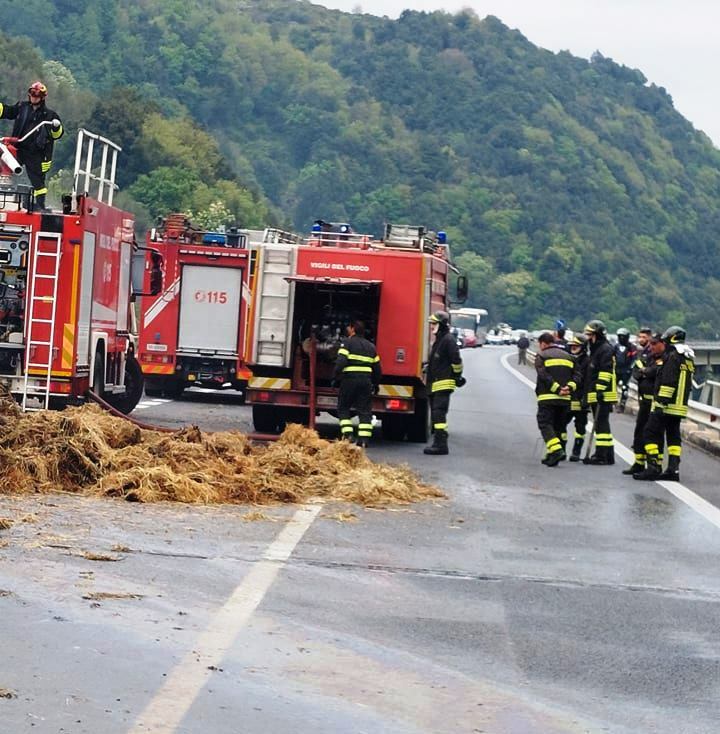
601,391
556,381
669,407
444,374
35,153
358,371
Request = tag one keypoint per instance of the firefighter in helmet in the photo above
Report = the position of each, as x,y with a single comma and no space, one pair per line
358,371
444,374
35,153
625,352
555,384
601,391
669,407
648,360
578,404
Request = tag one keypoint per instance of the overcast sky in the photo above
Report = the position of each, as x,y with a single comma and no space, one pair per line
674,43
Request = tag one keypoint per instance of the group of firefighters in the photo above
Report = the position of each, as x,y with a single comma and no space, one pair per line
581,376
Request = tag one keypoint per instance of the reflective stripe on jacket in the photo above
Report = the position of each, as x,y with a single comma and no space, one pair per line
357,357
445,365
601,380
674,381
555,369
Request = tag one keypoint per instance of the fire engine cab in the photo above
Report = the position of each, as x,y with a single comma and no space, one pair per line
193,332
66,314
307,294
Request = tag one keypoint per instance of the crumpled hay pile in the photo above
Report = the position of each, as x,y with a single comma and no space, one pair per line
88,451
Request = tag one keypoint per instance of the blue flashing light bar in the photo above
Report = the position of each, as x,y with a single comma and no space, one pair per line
442,237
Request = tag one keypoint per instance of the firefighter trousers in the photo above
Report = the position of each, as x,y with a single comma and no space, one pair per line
552,420
355,394
33,163
644,407
603,435
439,406
581,419
660,427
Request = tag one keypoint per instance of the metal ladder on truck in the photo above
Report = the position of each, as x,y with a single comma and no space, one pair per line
41,304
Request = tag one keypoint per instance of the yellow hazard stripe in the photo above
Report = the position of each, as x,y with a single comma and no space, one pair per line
395,391
269,383
67,346
54,373
158,369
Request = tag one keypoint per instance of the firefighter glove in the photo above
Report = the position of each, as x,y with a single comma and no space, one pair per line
460,381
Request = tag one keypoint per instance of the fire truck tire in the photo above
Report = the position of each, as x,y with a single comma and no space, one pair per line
126,402
266,419
418,424
393,427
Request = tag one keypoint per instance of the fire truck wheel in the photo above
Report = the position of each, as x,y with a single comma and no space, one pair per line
393,427
126,402
418,426
265,419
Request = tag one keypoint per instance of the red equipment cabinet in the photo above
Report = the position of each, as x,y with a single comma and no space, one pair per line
307,294
193,333
66,315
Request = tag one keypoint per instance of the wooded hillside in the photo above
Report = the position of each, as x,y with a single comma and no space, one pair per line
569,188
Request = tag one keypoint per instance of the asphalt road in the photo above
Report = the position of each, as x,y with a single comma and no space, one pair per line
533,600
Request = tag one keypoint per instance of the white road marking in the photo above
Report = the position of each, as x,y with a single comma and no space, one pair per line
709,511
167,709
151,403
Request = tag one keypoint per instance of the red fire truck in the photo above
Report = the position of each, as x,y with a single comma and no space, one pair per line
193,333
66,314
307,294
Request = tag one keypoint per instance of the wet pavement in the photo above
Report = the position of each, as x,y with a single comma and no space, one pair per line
570,599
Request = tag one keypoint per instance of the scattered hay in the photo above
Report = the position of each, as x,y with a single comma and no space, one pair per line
117,548
91,556
342,517
88,451
257,516
6,523
7,693
103,595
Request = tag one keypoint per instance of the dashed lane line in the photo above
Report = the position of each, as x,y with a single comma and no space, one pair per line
165,712
709,511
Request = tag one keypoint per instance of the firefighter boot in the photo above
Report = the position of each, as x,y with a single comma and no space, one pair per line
40,201
439,445
554,457
637,466
577,448
601,457
610,455
362,443
651,471
672,473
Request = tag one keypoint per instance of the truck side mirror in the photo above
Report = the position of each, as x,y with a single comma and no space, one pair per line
462,288
139,264
156,274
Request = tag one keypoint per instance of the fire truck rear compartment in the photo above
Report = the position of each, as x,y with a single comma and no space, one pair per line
324,309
